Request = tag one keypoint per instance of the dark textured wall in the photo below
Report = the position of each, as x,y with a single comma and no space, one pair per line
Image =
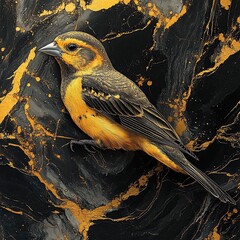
185,55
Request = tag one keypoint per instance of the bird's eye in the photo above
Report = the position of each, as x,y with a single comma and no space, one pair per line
72,47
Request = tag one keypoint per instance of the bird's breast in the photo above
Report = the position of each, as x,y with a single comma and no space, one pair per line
94,124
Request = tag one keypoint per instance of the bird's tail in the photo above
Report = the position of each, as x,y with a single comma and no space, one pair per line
174,159
207,183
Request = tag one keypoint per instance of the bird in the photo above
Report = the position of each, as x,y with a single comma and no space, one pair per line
114,112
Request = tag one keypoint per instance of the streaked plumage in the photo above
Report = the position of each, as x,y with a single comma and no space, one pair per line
113,111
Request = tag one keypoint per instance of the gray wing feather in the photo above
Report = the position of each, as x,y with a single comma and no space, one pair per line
132,107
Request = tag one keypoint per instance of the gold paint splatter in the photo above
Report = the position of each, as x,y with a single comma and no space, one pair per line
154,12
238,20
12,97
181,127
18,29
227,51
140,81
38,129
84,217
12,211
70,7
179,107
19,129
28,84
33,75
229,215
170,119
225,4
221,37
230,47
87,217
7,136
58,156
49,95
3,49
149,83
235,210
214,235
97,5
174,106
174,19
54,11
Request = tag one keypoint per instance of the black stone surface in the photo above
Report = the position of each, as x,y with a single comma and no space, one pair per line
185,55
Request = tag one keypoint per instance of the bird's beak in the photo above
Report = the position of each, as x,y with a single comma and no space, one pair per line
51,49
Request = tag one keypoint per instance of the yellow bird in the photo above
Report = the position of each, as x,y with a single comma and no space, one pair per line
113,110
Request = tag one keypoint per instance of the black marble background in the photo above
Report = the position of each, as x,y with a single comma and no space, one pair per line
185,55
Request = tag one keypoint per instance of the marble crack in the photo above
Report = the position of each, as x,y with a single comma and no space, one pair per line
118,35
12,97
229,47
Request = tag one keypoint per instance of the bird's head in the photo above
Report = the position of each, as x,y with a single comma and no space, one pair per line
77,51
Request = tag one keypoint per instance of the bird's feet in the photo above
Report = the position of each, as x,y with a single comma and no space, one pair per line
85,143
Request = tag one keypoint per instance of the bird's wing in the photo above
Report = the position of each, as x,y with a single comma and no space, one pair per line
111,93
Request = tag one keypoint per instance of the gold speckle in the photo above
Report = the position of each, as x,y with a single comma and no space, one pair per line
225,4
18,29
149,83
58,156
3,49
151,13
70,7
140,81
235,210
19,129
49,95
117,96
149,4
221,37
29,84
154,11
158,25
238,20
38,79
170,119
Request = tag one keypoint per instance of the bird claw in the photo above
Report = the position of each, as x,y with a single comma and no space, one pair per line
89,150
71,145
84,144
